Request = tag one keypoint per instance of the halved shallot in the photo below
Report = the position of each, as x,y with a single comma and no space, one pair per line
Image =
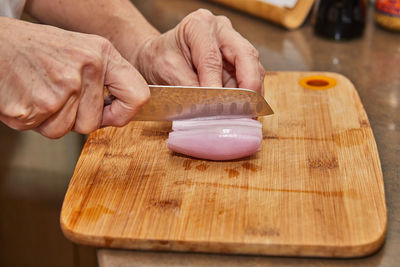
216,139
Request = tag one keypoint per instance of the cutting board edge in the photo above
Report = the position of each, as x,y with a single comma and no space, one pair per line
291,250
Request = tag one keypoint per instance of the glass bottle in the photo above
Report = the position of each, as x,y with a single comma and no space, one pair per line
339,19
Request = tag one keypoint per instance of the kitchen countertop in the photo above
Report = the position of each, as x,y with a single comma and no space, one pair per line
371,63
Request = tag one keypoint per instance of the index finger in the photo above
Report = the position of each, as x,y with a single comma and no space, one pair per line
129,89
244,57
199,33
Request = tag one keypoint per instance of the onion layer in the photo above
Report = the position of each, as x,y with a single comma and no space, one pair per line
219,139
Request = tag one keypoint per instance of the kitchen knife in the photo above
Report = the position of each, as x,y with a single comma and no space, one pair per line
168,103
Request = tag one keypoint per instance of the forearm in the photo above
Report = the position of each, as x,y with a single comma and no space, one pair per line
117,20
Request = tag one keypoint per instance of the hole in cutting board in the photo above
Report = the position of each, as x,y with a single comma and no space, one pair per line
317,82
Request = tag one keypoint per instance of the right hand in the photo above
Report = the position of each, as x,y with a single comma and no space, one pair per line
51,80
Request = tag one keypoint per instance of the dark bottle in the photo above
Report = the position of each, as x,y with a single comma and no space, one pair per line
339,19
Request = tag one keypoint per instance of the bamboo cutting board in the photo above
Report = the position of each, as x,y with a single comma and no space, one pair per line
315,189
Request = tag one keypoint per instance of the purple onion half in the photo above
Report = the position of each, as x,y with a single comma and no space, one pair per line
216,139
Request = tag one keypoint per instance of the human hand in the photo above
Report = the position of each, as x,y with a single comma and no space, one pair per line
51,80
202,50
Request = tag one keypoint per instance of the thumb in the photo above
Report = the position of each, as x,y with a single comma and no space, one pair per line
127,86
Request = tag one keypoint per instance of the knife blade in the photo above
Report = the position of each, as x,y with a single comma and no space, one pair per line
168,103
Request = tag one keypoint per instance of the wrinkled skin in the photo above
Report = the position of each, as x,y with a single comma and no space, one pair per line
204,50
51,80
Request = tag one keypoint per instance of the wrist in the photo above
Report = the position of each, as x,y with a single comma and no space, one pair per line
143,57
129,38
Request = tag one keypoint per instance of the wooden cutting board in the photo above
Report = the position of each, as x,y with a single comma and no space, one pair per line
315,189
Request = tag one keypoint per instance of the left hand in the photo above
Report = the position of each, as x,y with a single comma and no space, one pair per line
202,50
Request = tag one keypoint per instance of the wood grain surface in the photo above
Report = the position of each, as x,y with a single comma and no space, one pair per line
314,189
289,18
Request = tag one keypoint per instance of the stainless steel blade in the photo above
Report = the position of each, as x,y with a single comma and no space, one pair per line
168,103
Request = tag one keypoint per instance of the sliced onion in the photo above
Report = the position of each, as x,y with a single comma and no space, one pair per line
220,139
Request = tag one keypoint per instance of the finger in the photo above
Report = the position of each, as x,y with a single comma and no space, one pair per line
209,67
29,110
174,70
127,86
243,56
61,122
90,109
205,53
167,61
26,120
185,77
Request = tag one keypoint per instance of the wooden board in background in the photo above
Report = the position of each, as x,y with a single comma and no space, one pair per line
290,18
315,189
